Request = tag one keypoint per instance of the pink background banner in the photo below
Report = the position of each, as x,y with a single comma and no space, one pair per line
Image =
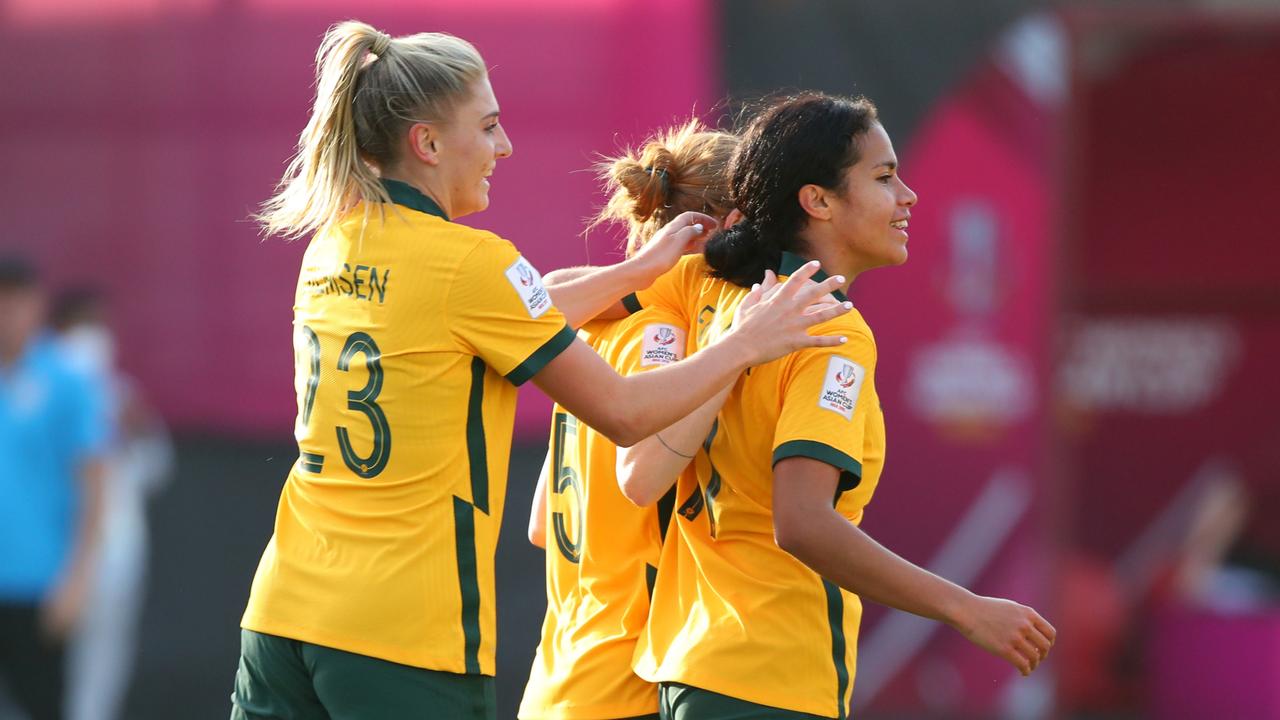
138,138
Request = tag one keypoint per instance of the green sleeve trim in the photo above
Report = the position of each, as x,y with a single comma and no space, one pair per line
632,303
850,469
543,355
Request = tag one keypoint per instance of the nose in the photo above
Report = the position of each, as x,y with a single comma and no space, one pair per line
908,196
504,143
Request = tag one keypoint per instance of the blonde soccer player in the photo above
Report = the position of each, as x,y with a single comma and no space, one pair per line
757,602
602,543
374,597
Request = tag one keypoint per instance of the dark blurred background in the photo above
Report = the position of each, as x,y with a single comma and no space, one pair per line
1077,362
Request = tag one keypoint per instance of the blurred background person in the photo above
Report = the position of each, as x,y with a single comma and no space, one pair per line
139,457
53,432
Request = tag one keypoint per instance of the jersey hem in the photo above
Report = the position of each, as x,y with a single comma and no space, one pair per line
739,692
589,712
396,655
543,355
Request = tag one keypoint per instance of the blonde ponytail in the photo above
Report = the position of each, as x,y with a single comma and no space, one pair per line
678,170
369,87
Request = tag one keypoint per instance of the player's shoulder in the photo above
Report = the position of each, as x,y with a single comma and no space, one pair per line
852,322
695,263
471,250
599,331
602,333
650,337
687,268
860,343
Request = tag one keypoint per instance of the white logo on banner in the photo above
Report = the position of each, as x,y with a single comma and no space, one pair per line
1153,365
528,284
663,345
972,380
840,390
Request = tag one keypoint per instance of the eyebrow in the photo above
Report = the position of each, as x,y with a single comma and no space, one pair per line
493,114
891,164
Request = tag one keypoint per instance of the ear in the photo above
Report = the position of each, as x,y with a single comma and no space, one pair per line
813,198
733,218
424,143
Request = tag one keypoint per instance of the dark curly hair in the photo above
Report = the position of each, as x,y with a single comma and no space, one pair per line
807,139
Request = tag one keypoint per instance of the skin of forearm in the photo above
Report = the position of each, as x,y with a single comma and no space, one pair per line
838,550
582,293
647,470
647,400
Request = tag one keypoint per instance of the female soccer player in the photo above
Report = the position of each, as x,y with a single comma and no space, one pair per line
374,597
756,607
602,549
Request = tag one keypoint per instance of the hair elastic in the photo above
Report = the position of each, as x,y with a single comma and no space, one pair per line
662,176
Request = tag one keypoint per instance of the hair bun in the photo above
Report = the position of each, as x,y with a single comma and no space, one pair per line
646,186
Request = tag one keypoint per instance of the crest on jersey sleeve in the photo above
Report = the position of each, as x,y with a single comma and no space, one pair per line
663,344
528,285
840,389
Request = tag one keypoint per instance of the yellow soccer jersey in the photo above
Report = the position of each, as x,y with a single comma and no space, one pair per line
602,551
410,335
735,614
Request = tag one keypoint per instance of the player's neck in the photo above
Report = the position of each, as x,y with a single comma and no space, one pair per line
424,181
834,258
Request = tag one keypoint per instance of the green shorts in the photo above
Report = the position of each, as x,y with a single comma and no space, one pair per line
682,702
282,679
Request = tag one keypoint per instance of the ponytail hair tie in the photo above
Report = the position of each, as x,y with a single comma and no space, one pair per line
662,177
381,44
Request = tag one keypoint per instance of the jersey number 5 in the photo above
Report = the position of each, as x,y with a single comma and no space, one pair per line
566,482
363,401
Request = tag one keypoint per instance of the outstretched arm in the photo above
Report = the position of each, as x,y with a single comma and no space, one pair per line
807,526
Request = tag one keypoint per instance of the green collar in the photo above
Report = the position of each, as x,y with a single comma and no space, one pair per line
410,197
791,262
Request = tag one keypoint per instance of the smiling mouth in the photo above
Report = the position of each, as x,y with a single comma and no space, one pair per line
899,225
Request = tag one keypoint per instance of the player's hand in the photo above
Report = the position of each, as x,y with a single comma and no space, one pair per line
778,322
1010,631
758,292
686,233
765,290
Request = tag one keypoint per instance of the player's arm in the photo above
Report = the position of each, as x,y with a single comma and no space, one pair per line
648,469
807,526
538,508
627,410
584,293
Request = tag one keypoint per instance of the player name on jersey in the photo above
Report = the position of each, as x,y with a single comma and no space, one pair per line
362,282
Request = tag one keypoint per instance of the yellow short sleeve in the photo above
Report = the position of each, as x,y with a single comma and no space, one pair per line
500,311
827,393
653,338
672,291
